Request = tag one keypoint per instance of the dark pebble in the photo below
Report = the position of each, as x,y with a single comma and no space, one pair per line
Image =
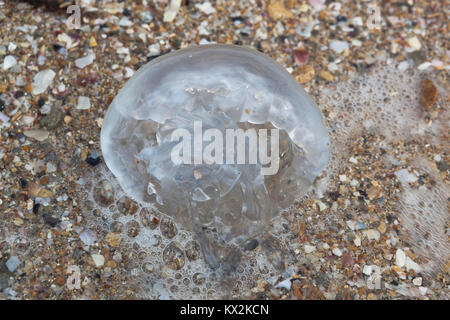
41,102
4,279
419,57
259,47
93,161
23,183
51,5
321,279
234,19
176,43
390,218
340,18
53,118
250,245
18,94
57,47
36,208
442,166
334,195
51,221
126,12
363,193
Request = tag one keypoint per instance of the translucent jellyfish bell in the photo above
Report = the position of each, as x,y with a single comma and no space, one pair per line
222,87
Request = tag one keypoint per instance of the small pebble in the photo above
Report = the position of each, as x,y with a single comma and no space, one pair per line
88,237
337,252
414,43
316,4
417,281
9,62
405,177
171,10
93,159
304,73
277,11
325,75
12,263
339,46
42,80
37,134
400,258
373,234
99,260
286,284
205,7
125,22
367,270
429,94
83,103
85,61
411,265
301,56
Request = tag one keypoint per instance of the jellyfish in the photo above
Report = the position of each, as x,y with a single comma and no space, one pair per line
221,138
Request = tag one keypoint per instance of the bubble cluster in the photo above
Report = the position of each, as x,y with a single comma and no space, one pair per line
386,102
166,260
424,214
383,101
